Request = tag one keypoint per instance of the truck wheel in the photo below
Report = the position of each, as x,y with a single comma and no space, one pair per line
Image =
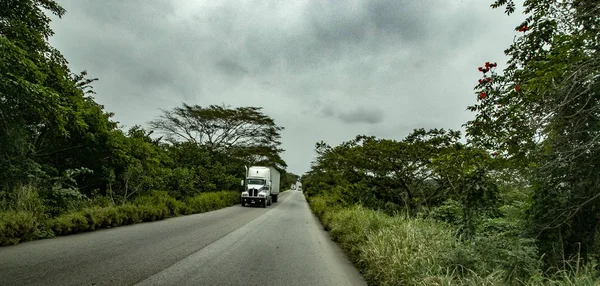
243,204
275,198
269,201
265,204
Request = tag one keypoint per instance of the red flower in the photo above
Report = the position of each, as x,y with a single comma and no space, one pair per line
480,81
480,69
495,65
495,154
488,79
517,88
499,106
487,64
523,28
482,95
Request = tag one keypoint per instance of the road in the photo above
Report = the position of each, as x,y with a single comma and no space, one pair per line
281,245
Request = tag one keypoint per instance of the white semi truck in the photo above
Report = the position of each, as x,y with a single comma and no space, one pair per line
261,186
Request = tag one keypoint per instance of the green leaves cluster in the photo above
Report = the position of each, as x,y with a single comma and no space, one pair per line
244,133
416,174
549,121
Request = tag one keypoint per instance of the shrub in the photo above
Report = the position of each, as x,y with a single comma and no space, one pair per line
23,199
211,201
401,250
69,223
389,250
17,226
162,199
131,214
352,226
404,251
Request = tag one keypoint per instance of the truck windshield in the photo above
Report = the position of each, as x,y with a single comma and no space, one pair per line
256,182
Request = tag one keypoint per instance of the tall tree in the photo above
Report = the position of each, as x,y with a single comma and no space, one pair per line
543,112
244,133
49,123
28,101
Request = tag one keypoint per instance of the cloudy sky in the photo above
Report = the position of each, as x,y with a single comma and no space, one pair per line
323,69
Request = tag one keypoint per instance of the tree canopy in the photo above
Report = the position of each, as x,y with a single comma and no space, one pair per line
243,132
543,113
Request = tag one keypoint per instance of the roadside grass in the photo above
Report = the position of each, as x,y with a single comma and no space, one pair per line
24,224
401,250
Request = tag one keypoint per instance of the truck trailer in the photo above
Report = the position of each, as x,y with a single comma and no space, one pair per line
261,186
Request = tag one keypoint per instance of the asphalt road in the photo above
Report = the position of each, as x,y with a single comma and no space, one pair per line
283,244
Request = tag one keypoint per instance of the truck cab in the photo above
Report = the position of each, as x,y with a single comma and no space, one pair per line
261,186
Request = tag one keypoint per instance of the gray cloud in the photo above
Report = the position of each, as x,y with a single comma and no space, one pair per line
319,68
231,68
327,111
357,115
362,115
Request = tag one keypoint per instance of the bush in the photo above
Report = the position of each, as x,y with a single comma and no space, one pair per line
70,223
23,199
64,200
211,201
157,206
406,251
400,250
17,226
322,204
389,250
28,221
162,199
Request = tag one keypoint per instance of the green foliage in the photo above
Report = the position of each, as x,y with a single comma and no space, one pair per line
243,133
25,224
147,208
482,199
390,250
421,172
573,274
541,113
16,226
206,202
402,250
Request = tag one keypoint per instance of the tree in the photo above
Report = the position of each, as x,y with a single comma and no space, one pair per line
41,102
543,113
244,133
49,122
419,172
26,101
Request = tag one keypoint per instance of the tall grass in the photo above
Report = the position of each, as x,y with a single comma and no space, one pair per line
401,250
24,219
21,214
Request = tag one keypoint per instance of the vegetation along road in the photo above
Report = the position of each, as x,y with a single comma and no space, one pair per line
280,245
124,160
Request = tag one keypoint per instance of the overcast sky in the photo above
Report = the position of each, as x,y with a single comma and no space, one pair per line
324,70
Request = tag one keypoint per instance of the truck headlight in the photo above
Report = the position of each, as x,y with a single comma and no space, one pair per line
244,194
262,194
